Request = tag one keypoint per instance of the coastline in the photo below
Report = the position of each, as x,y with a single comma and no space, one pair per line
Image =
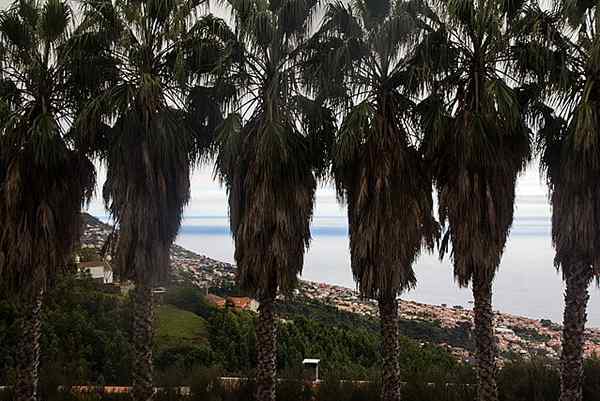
516,335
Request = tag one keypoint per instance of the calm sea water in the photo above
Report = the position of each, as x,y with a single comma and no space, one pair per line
526,284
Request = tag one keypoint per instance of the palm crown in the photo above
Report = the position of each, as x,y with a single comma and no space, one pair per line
44,178
475,129
268,156
161,114
560,53
359,61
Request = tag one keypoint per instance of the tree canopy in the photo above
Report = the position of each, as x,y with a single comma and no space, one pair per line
358,61
476,134
559,54
273,146
45,178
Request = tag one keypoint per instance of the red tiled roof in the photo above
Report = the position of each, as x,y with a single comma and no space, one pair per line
216,300
93,263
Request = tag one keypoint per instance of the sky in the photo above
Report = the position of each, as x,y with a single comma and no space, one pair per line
526,272
208,198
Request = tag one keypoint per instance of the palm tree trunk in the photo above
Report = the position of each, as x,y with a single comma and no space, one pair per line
266,351
485,342
576,298
28,350
143,330
388,313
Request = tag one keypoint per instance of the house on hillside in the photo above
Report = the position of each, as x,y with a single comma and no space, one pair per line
215,300
243,303
99,270
237,303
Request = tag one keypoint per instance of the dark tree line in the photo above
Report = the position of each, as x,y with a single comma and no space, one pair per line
391,99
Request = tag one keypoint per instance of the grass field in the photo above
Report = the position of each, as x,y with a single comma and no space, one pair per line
176,326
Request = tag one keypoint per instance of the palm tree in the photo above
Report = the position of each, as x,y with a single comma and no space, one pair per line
564,61
359,60
478,142
269,162
157,133
44,178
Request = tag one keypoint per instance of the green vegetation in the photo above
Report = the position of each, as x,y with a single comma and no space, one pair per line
87,331
385,97
529,333
520,380
86,340
420,330
176,326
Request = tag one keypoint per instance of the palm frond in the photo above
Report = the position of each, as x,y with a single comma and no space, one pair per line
319,125
567,123
16,33
44,178
475,128
360,61
54,21
269,161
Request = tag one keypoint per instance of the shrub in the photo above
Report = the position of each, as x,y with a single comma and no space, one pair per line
535,380
290,389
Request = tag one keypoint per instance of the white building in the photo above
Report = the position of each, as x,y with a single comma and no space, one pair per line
99,271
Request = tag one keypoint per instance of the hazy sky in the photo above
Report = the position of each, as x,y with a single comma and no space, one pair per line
527,270
209,198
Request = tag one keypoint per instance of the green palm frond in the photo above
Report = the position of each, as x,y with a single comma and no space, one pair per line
360,61
16,33
54,21
319,123
544,53
372,11
152,113
475,127
230,146
340,18
294,16
464,15
512,8
574,11
45,178
275,144
568,122
353,133
29,11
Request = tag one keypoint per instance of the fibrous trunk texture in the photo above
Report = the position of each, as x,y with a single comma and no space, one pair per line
388,312
28,350
485,342
576,299
143,330
266,351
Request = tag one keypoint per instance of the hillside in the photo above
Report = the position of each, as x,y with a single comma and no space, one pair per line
178,327
449,327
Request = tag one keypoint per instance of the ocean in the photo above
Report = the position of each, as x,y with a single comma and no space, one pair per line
527,283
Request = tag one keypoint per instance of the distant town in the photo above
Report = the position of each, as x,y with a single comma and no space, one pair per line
516,335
